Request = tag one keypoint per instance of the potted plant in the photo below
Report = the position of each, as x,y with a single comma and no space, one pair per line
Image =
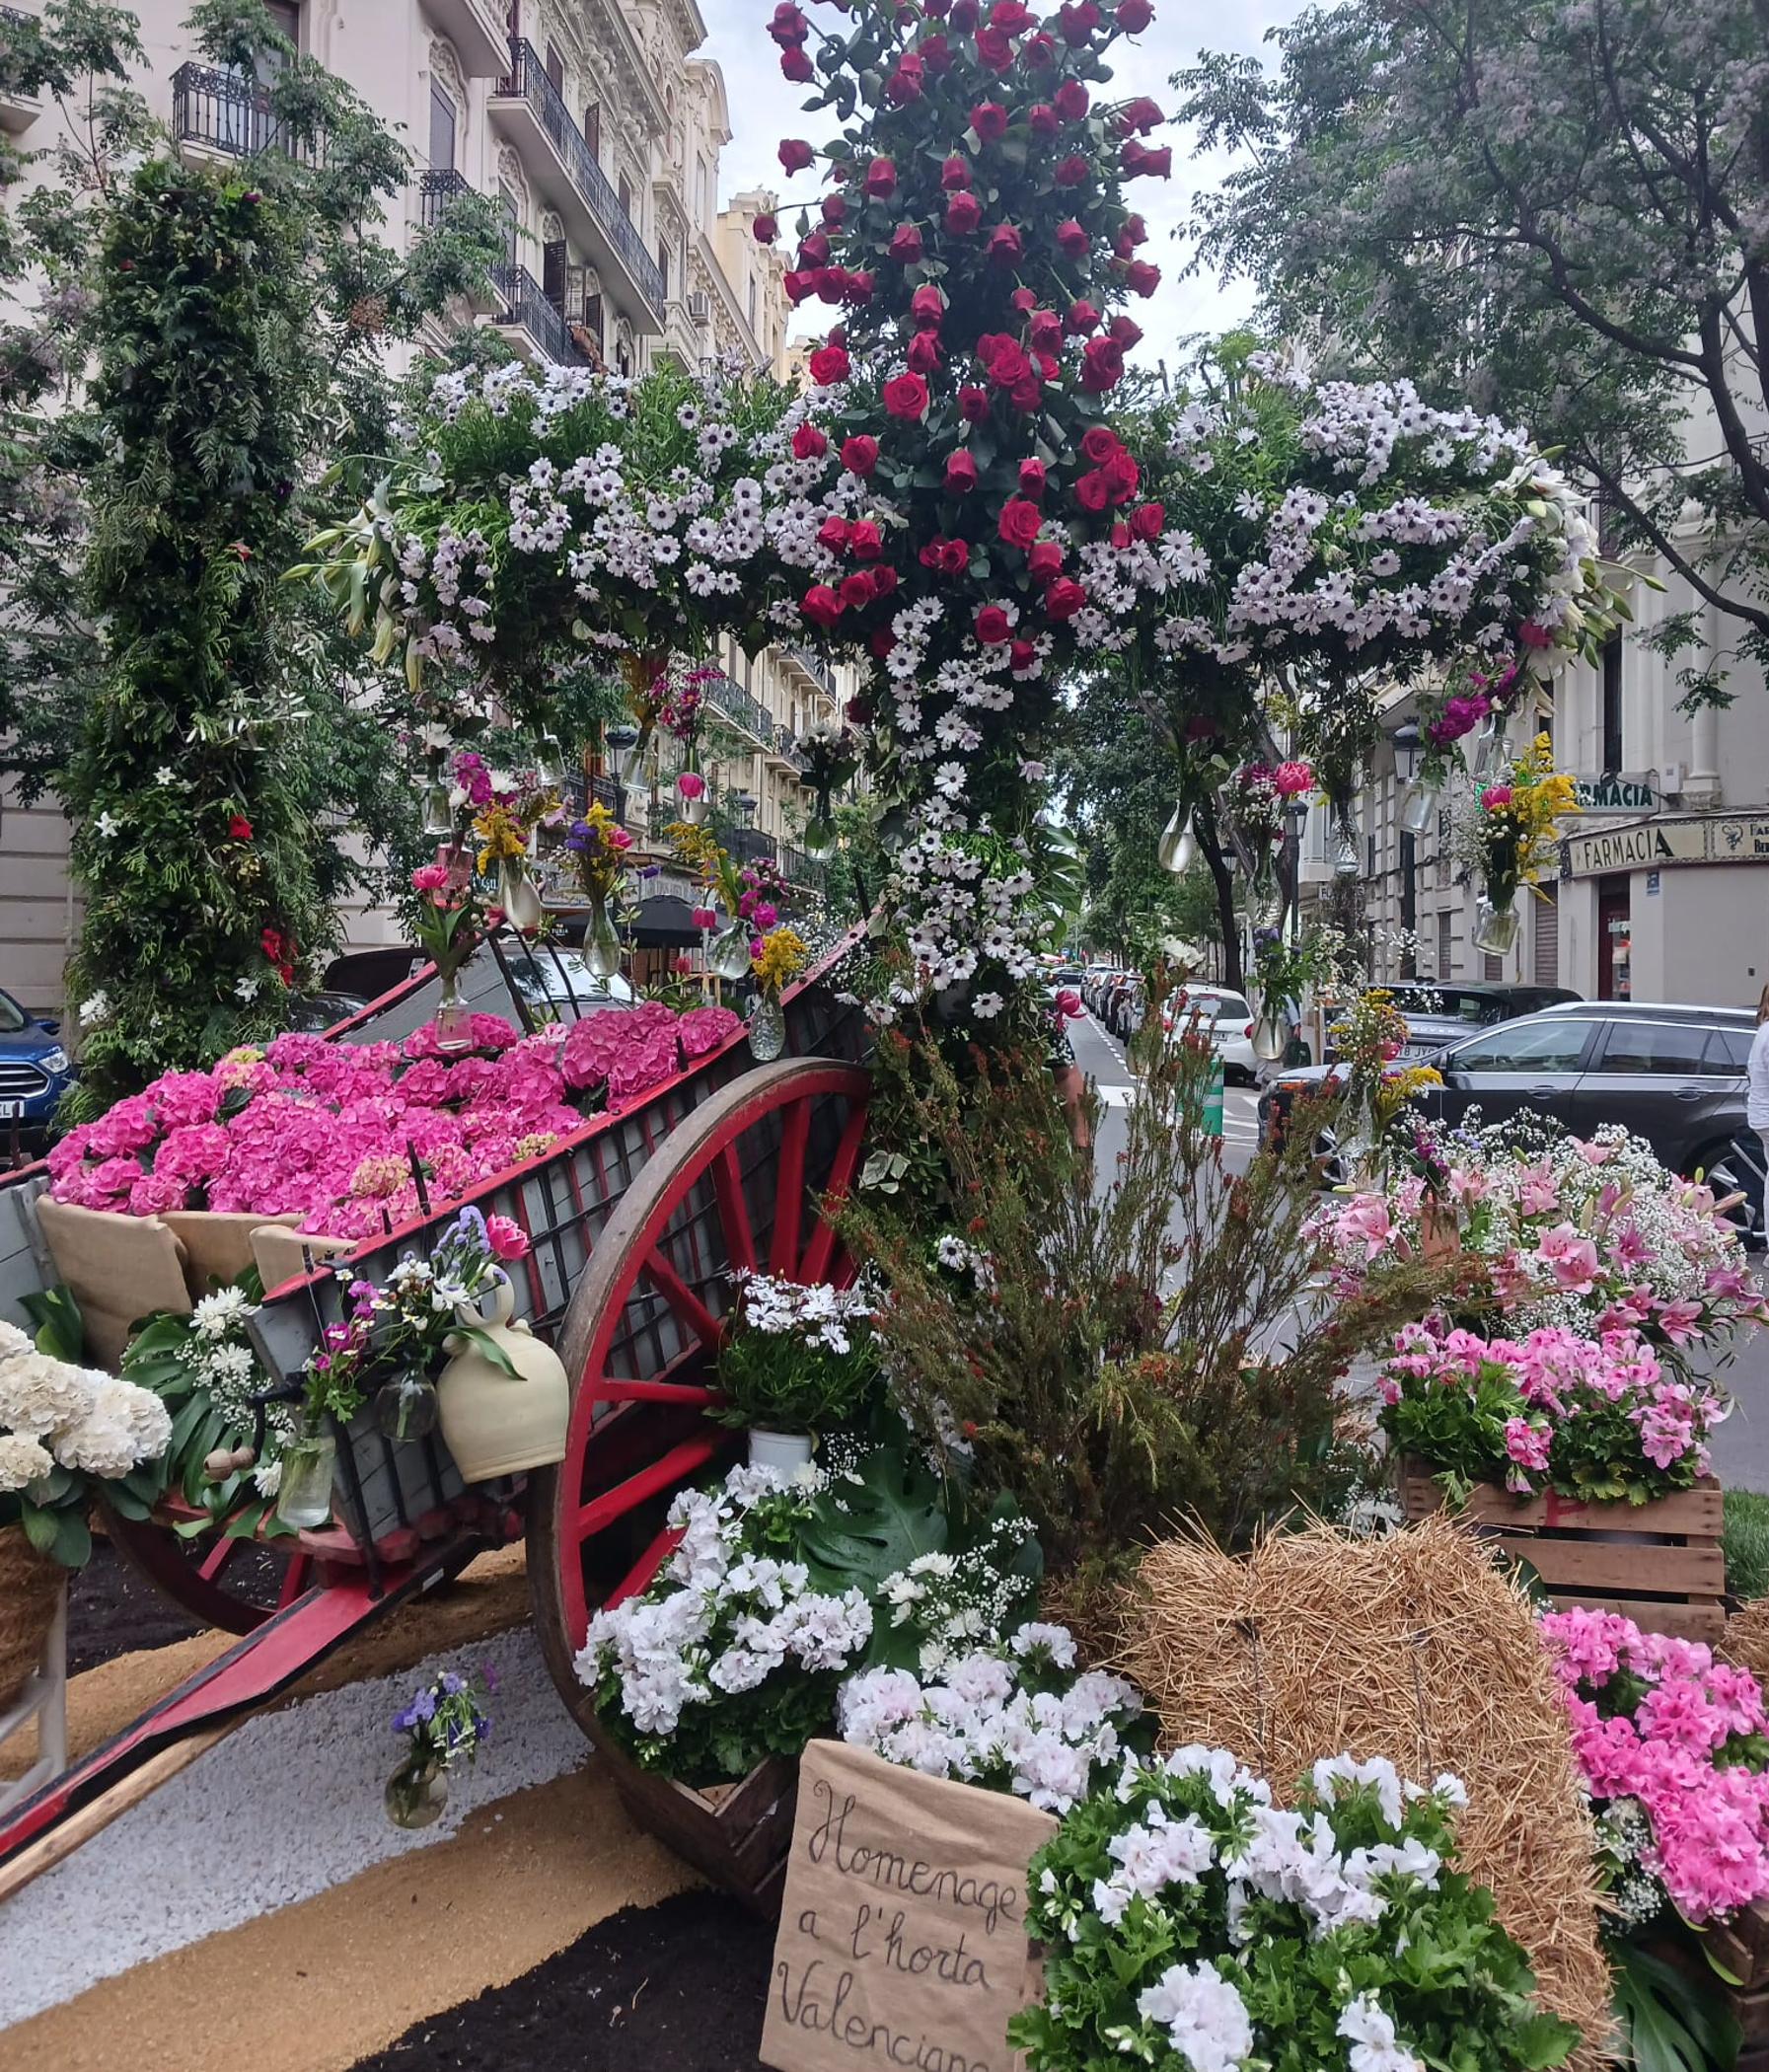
798,1360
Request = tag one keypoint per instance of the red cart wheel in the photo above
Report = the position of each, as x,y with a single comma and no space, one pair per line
232,1584
750,1178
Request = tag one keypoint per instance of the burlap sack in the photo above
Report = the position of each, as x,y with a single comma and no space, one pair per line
282,1253
218,1248
118,1267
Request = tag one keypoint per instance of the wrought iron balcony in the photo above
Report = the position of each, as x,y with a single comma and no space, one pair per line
736,705
747,844
438,191
527,82
525,304
806,872
221,112
816,668
787,748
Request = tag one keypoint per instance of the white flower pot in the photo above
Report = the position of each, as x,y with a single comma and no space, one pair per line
784,1451
498,1424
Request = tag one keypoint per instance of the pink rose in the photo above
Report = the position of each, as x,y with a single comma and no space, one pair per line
691,785
506,1237
429,877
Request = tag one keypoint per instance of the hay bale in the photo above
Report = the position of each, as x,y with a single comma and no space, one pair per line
1412,1647
1745,1642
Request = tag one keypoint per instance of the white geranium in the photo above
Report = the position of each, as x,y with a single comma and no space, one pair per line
1203,2014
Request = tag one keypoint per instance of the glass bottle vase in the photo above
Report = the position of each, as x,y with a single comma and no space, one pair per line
601,945
1177,849
454,1016
1419,807
767,1028
304,1493
1496,923
406,1408
519,897
728,953
416,1792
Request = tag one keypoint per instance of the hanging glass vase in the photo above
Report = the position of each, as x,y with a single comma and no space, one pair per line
406,1408
601,945
692,794
1347,863
1489,759
1495,925
1265,896
304,1493
1419,807
728,953
819,829
767,1028
518,897
439,809
416,1792
549,762
1272,1032
454,1016
1177,850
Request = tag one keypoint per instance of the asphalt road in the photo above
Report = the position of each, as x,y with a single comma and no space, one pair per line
1742,1443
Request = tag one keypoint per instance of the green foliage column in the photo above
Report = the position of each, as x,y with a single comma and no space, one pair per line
194,854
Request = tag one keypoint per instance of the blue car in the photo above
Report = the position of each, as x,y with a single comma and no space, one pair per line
35,1072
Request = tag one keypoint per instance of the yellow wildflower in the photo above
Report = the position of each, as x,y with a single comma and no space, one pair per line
785,955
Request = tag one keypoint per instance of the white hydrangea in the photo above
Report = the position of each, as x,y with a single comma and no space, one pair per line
22,1460
40,1395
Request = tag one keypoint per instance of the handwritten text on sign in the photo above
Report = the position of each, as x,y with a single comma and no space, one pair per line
902,1941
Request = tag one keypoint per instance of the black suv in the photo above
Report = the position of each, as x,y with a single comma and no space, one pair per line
1674,1076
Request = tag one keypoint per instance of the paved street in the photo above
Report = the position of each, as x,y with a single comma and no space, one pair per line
1741,1446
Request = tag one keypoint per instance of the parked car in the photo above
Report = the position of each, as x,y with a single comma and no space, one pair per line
561,986
1672,1074
316,1012
1231,1020
1438,1014
35,1070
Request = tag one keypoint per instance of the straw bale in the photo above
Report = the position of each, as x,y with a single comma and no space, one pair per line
1746,1641
1413,1647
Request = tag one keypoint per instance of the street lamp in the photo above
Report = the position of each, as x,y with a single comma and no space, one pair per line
746,803
621,746
1418,798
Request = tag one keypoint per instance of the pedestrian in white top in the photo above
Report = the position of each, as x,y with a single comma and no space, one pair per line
1757,1094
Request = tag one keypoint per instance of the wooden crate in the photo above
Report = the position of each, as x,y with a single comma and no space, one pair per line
736,1835
1658,1564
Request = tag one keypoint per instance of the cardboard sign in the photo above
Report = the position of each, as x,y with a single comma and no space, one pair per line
902,1941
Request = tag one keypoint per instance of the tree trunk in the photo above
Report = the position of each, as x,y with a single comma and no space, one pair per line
1227,917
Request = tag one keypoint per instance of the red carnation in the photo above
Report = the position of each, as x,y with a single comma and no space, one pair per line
1148,519
1135,16
821,606
1044,560
1139,116
788,24
1063,599
766,229
833,533
1072,101
961,472
988,119
991,625
238,828
906,244
973,403
795,154
796,65
963,213
923,355
1043,119
881,179
927,306
1072,172
1126,330
906,83
1102,365
1094,491
1078,22
859,453
994,49
955,173
1072,240
1031,478
808,443
1005,244
1082,318
906,397
1099,443
1019,522
1142,278
830,364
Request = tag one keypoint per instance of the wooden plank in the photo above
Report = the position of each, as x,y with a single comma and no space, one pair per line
1698,1622
1599,1564
1688,1513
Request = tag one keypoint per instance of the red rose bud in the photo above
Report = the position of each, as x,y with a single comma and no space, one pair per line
1102,365
935,53
1047,332
955,558
906,244
1072,240
1077,22
994,49
1044,560
1123,246
1099,443
1019,522
936,10
923,355
961,472
798,286
1072,172
1136,230
1094,491
859,453
831,285
238,828
1139,163
795,154
1026,394
788,24
1021,655
1049,366
1142,278
1025,300
881,179
813,251
833,533
860,288
1135,16
822,607
884,579
955,173
808,443
973,403
1082,318
1005,245
927,306
1139,116
1148,519
963,213
830,364
906,83
1031,478
766,229
1044,119
1126,330
991,625
855,592
1072,101
1121,535
906,397
1038,52
1122,471
834,211
796,64
929,556
1063,599
988,119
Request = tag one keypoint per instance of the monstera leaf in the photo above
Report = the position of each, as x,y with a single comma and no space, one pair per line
861,1531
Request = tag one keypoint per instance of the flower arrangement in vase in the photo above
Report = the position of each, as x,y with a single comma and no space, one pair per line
729,932
797,1361
1510,836
677,695
508,811
450,924
598,847
776,957
445,1722
831,757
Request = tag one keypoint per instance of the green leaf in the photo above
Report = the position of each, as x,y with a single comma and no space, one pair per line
1673,2022
42,1528
861,1532
60,1330
72,1545
481,1340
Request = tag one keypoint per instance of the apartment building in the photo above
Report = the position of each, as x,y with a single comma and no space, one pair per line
597,130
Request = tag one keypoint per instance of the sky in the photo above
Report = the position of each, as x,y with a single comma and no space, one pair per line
764,108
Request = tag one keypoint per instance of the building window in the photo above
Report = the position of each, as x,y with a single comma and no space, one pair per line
663,265
752,302
592,127
1445,943
625,192
286,16
442,129
1612,705
556,68
512,218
